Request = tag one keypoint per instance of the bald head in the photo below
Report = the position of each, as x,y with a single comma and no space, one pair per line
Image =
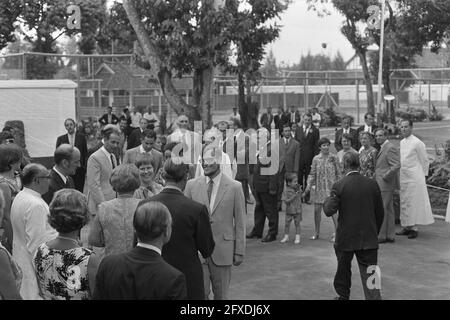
67,159
36,177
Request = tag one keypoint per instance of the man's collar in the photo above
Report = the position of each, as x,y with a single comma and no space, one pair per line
108,154
63,177
173,188
351,172
216,180
149,247
386,141
141,149
32,192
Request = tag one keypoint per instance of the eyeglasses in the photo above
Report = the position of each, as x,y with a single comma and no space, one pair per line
9,140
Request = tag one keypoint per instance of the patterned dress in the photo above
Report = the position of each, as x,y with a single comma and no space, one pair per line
367,161
325,171
148,192
62,274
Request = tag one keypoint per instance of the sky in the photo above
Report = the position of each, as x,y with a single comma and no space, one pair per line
303,30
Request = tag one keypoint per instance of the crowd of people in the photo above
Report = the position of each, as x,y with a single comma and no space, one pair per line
161,228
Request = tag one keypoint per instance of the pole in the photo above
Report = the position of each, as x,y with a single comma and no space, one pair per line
284,91
380,63
78,108
429,97
24,66
357,101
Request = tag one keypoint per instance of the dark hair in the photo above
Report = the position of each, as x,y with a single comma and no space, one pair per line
368,114
144,159
108,130
385,133
410,122
125,110
7,129
149,133
323,141
347,136
309,115
63,152
151,220
290,176
122,118
70,119
5,135
31,171
68,211
174,172
9,154
351,161
286,125
169,146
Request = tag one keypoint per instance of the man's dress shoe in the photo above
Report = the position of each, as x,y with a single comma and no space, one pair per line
269,238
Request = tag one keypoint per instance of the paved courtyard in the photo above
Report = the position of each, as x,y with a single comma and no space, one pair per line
410,269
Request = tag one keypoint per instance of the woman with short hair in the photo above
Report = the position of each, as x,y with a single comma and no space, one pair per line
346,147
148,187
112,227
367,155
325,171
64,269
10,161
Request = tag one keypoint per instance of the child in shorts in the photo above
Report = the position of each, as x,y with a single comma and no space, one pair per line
292,198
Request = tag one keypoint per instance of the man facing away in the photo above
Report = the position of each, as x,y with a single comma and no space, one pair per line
360,206
29,219
386,175
191,229
225,200
142,274
67,160
415,208
78,140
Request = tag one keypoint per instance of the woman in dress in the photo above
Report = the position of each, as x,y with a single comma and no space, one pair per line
112,227
10,274
325,171
148,187
367,155
93,139
10,161
64,269
346,147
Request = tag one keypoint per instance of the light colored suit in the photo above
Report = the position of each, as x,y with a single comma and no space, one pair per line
228,228
132,155
386,174
99,170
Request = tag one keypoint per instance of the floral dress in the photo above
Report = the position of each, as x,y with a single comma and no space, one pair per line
62,274
325,171
148,192
367,161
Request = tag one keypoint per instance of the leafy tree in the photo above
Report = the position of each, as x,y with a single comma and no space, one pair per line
45,21
9,11
270,68
338,62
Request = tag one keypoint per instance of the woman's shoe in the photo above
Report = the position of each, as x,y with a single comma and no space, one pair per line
297,239
315,237
285,239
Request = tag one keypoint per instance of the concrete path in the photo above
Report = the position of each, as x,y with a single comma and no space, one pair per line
410,269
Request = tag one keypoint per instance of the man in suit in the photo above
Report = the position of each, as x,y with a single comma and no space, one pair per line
225,200
99,169
67,160
386,175
265,192
308,137
358,200
191,230
78,140
108,117
289,159
142,274
266,119
293,116
280,119
148,139
134,139
345,129
369,126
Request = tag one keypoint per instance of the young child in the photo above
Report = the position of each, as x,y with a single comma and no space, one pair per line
292,198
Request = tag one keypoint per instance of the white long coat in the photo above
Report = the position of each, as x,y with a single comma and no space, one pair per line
415,208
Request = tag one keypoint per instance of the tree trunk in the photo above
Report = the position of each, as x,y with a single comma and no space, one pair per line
369,89
156,66
243,110
203,79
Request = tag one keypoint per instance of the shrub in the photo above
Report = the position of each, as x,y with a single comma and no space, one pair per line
435,115
416,115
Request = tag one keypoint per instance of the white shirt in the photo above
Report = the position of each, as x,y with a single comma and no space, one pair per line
109,156
367,128
344,131
235,116
215,188
151,118
29,219
316,118
72,138
63,177
149,246
142,150
135,119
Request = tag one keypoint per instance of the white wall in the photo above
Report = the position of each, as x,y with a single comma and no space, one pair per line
42,105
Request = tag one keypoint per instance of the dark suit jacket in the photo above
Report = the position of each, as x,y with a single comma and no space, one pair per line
56,184
134,139
338,139
80,144
191,233
308,144
266,120
104,119
264,183
140,274
241,153
289,117
358,200
289,155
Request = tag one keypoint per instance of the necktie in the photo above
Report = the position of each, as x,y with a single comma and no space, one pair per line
210,188
286,141
113,162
